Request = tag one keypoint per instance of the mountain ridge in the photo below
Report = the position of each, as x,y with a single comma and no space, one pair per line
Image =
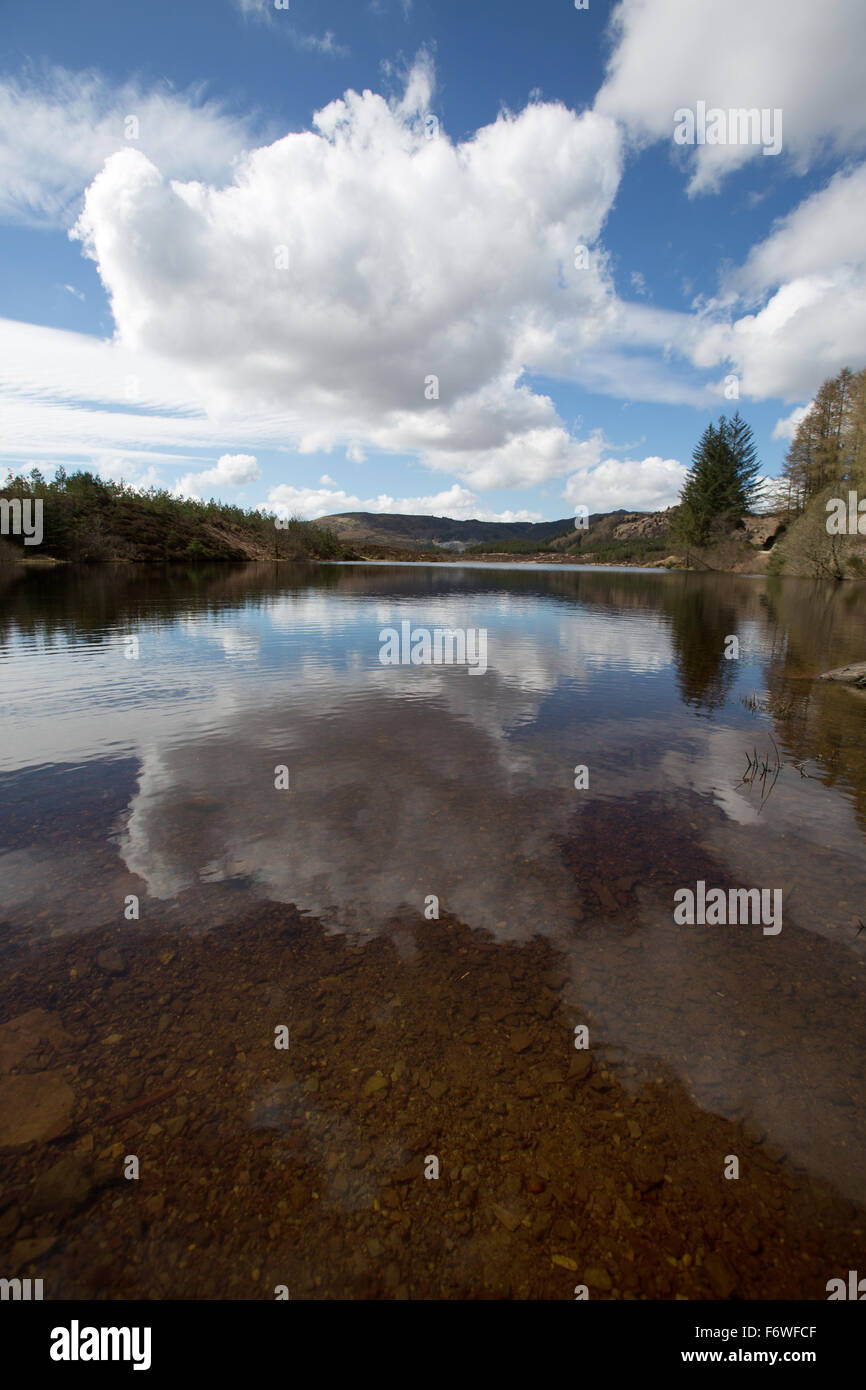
410,529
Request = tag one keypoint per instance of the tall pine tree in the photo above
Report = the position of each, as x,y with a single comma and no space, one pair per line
742,460
722,482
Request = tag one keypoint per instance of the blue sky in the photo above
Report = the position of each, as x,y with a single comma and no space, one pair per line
326,258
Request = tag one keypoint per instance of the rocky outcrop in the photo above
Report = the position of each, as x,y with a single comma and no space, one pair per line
763,531
646,526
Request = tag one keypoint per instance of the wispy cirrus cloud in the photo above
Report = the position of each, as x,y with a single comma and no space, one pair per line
267,12
58,127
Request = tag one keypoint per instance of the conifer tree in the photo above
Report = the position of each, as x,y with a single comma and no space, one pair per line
744,487
722,482
697,497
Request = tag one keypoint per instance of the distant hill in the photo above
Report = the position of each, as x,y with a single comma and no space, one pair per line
85,517
414,532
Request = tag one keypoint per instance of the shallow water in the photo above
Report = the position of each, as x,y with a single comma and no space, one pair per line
148,769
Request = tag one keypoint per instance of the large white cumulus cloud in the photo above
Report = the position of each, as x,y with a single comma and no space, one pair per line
805,289
302,296
651,484
232,471
799,56
406,257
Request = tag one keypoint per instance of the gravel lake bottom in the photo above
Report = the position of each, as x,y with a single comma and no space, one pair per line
301,951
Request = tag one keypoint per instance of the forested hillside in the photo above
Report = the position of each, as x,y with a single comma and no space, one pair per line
87,518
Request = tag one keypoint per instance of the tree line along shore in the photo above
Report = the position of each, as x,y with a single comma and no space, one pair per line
728,518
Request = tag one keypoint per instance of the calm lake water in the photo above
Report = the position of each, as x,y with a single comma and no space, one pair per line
148,768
